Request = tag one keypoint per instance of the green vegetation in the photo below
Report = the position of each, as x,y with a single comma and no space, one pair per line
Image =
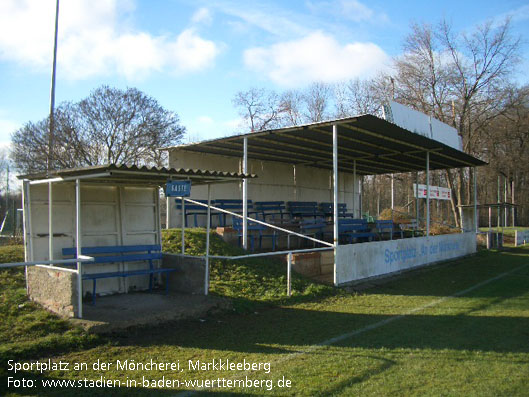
458,329
250,282
507,231
27,330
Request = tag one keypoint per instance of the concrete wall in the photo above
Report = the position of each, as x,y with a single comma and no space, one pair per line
521,237
189,278
359,261
56,290
110,215
276,182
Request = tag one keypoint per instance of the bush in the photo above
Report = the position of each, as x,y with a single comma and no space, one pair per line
398,215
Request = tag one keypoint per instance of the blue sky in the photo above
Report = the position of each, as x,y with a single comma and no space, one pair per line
193,56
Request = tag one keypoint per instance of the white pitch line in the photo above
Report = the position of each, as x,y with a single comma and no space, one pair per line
378,324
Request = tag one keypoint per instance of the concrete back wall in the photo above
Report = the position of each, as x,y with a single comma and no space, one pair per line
360,261
110,215
276,181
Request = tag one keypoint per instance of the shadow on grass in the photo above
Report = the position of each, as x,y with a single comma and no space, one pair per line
285,330
445,278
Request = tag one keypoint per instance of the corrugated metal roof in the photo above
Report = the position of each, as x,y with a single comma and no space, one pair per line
376,145
143,174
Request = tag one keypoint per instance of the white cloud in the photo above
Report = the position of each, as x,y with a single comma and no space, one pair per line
352,10
315,57
205,120
95,39
202,15
7,127
356,11
269,18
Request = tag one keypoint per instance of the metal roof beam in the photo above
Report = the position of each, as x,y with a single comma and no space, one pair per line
389,139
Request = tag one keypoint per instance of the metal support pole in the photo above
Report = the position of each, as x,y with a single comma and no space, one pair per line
416,203
392,192
78,247
335,191
50,221
52,91
354,188
499,200
245,195
208,227
506,213
167,212
25,229
512,201
476,222
427,193
360,193
183,206
289,274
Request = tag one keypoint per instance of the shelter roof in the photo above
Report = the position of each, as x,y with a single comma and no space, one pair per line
377,146
120,173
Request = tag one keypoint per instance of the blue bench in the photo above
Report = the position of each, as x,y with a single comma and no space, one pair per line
349,229
253,226
304,209
387,226
271,209
327,209
194,209
232,205
122,254
313,227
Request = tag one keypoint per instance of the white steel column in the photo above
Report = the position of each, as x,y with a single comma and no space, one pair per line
476,223
427,193
392,191
183,206
245,195
335,191
27,239
50,221
167,212
208,227
417,213
506,211
354,189
78,247
289,274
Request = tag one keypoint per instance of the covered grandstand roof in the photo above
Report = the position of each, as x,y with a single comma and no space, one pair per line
377,146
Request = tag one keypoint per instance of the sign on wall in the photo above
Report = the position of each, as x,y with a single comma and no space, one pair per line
436,192
178,189
359,261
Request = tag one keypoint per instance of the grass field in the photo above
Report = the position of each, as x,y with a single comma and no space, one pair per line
508,231
459,329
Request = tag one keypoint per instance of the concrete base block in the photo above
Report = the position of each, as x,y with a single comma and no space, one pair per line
189,278
55,290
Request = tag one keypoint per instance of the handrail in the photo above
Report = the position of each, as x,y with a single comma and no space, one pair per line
81,259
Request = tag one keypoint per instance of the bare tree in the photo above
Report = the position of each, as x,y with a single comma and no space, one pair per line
460,79
290,108
356,97
316,99
258,107
109,126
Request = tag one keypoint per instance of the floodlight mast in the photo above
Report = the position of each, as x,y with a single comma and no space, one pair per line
52,92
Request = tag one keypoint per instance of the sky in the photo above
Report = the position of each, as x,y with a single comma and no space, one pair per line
194,56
